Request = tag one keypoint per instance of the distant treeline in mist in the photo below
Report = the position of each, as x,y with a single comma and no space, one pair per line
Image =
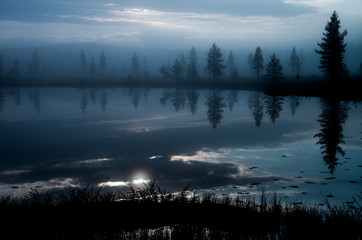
91,62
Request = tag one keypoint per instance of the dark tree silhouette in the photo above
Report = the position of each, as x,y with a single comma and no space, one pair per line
177,70
215,108
273,105
233,72
192,68
295,64
33,67
102,64
258,62
82,63
333,49
192,97
274,70
331,120
164,70
215,62
92,68
135,66
256,105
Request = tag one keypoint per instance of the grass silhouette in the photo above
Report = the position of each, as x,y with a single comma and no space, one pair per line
151,212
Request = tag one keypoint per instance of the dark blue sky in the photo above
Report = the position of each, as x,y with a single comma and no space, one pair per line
170,24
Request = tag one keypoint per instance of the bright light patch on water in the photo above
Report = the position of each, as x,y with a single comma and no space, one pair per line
140,181
114,184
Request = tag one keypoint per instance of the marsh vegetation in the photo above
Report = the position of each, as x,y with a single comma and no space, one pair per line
151,212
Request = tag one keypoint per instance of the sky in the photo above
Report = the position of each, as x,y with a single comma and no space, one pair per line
175,24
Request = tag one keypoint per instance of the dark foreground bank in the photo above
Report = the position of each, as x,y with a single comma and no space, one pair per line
348,89
154,213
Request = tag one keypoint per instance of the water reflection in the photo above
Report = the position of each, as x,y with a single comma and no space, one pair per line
335,114
193,98
177,126
215,107
84,101
178,99
256,106
34,97
294,104
273,105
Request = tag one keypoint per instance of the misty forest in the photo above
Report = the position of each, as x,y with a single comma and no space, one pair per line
106,141
102,65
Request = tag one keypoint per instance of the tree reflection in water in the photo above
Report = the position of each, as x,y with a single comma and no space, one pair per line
334,115
256,105
215,107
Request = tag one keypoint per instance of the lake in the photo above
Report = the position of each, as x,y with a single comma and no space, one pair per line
222,142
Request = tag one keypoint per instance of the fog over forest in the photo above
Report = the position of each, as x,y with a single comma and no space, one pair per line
160,32
62,61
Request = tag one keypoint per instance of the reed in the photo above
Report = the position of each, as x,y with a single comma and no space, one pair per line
151,212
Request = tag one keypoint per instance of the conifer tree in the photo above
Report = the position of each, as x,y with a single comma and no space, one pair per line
294,63
333,49
231,67
135,66
258,62
192,72
34,64
215,64
92,68
177,70
274,69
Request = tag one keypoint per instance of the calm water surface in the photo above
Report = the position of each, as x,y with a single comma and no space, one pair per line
304,149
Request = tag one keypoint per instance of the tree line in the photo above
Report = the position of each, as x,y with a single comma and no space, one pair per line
332,49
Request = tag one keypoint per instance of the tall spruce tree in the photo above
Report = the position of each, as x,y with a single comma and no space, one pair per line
258,63
192,71
177,70
92,68
333,49
34,64
215,64
135,66
233,72
274,70
294,63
